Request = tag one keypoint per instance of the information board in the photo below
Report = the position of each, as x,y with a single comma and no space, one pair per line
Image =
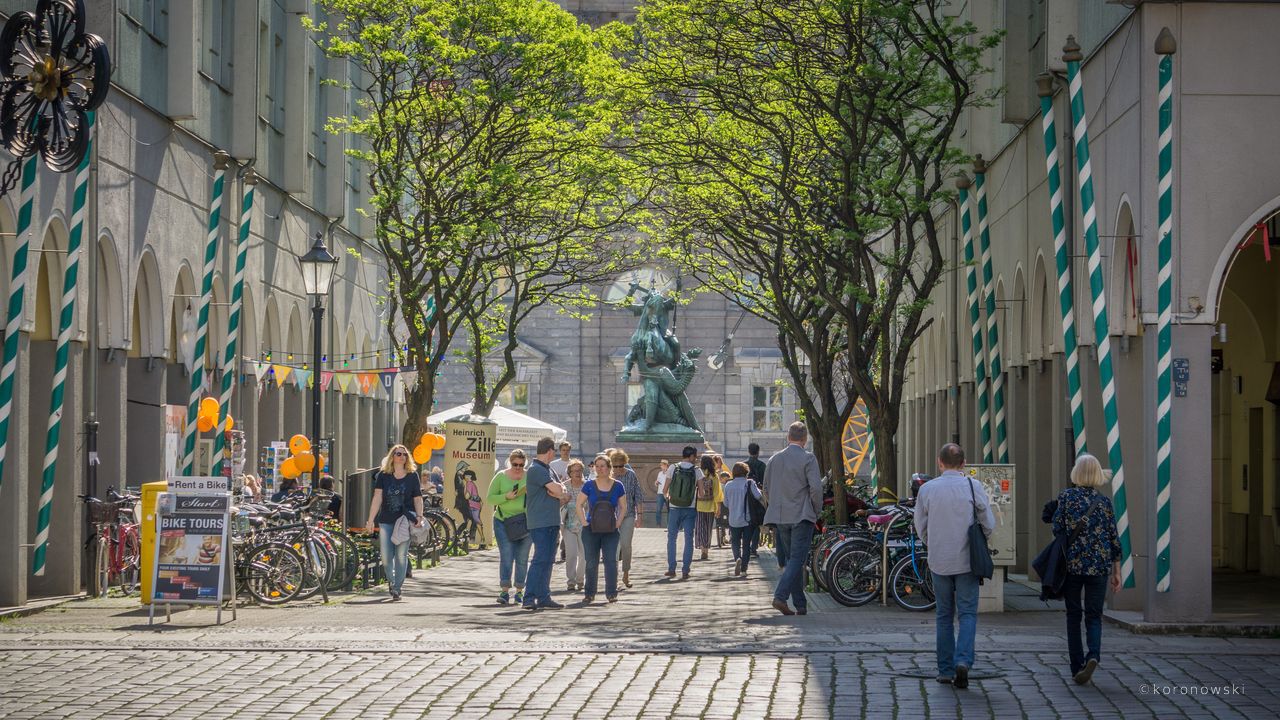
1001,485
192,524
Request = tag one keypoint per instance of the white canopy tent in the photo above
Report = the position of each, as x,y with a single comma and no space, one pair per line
514,428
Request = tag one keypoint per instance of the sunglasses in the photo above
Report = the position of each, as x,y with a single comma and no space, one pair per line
515,466
400,454
619,466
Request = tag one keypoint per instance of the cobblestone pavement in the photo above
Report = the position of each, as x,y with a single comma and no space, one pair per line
707,647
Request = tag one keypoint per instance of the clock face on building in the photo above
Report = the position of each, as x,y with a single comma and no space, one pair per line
647,278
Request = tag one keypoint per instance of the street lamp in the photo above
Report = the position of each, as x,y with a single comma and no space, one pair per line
318,266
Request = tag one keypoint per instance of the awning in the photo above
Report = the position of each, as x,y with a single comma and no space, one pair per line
514,428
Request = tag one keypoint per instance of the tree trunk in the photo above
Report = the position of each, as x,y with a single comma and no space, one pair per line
419,401
830,454
887,455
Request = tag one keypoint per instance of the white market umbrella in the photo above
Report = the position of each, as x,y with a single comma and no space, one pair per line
514,428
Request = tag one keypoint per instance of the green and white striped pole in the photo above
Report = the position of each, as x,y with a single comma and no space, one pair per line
220,160
975,321
17,288
230,361
1066,295
1165,48
54,430
871,453
1101,325
989,295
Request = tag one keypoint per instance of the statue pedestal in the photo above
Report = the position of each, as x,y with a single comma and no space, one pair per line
646,456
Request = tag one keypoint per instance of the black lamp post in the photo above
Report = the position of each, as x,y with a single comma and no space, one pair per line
318,266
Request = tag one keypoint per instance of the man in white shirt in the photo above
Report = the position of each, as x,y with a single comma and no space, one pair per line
945,509
560,466
664,471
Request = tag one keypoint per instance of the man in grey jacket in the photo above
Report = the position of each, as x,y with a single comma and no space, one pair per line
793,491
946,507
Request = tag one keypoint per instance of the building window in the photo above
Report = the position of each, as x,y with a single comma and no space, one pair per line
766,408
216,40
151,15
515,396
271,68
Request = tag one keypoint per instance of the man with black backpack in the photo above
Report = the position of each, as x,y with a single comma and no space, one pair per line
681,492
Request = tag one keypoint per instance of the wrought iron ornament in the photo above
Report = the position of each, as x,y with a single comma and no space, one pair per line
52,73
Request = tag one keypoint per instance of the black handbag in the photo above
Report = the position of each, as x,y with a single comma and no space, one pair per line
517,527
980,562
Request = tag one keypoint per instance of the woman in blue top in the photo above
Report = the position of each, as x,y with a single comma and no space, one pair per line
397,495
600,508
1085,516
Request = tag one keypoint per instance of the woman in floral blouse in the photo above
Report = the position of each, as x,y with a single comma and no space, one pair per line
1086,518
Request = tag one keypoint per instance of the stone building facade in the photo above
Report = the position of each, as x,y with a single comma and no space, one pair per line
191,77
1225,525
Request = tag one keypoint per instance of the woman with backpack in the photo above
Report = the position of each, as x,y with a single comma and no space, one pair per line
1086,518
600,508
710,495
738,493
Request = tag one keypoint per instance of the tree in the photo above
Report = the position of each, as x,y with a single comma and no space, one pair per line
806,143
489,127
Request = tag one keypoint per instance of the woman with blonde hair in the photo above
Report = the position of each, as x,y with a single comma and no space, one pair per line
575,559
1085,517
397,504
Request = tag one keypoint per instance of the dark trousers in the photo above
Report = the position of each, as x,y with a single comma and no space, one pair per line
741,539
1094,590
601,546
537,589
794,542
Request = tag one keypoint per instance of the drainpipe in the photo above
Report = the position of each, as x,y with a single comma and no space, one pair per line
955,321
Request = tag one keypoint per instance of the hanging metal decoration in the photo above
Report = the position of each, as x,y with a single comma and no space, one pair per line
52,73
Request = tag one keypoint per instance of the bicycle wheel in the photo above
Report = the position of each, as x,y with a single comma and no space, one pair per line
348,560
911,584
855,577
130,554
317,566
101,566
273,573
853,542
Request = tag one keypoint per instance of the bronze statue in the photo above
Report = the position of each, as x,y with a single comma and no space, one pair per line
663,412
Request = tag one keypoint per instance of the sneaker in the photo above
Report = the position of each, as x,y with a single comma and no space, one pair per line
395,597
962,677
626,579
684,576
570,587
1086,672
551,605
611,598
504,598
737,568
519,597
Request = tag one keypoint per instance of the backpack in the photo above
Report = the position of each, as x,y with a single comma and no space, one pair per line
683,481
755,508
602,519
705,489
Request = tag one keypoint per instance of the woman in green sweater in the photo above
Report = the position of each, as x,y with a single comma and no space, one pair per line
506,495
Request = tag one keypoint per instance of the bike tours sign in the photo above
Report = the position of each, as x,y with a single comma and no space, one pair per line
192,543
470,459
1000,482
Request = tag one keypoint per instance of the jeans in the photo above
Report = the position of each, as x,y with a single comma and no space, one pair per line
957,596
511,555
626,533
395,558
538,588
1094,589
575,562
595,545
680,520
794,542
740,539
662,504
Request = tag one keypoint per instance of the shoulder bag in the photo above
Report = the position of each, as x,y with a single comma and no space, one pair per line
980,562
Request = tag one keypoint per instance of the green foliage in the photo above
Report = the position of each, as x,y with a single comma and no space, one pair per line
805,143
491,130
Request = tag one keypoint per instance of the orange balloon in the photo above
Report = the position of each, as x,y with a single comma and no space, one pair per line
299,444
305,461
426,439
421,454
289,469
231,423
437,442
204,423
324,462
210,406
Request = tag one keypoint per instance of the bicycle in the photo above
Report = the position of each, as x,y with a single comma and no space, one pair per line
117,544
855,570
